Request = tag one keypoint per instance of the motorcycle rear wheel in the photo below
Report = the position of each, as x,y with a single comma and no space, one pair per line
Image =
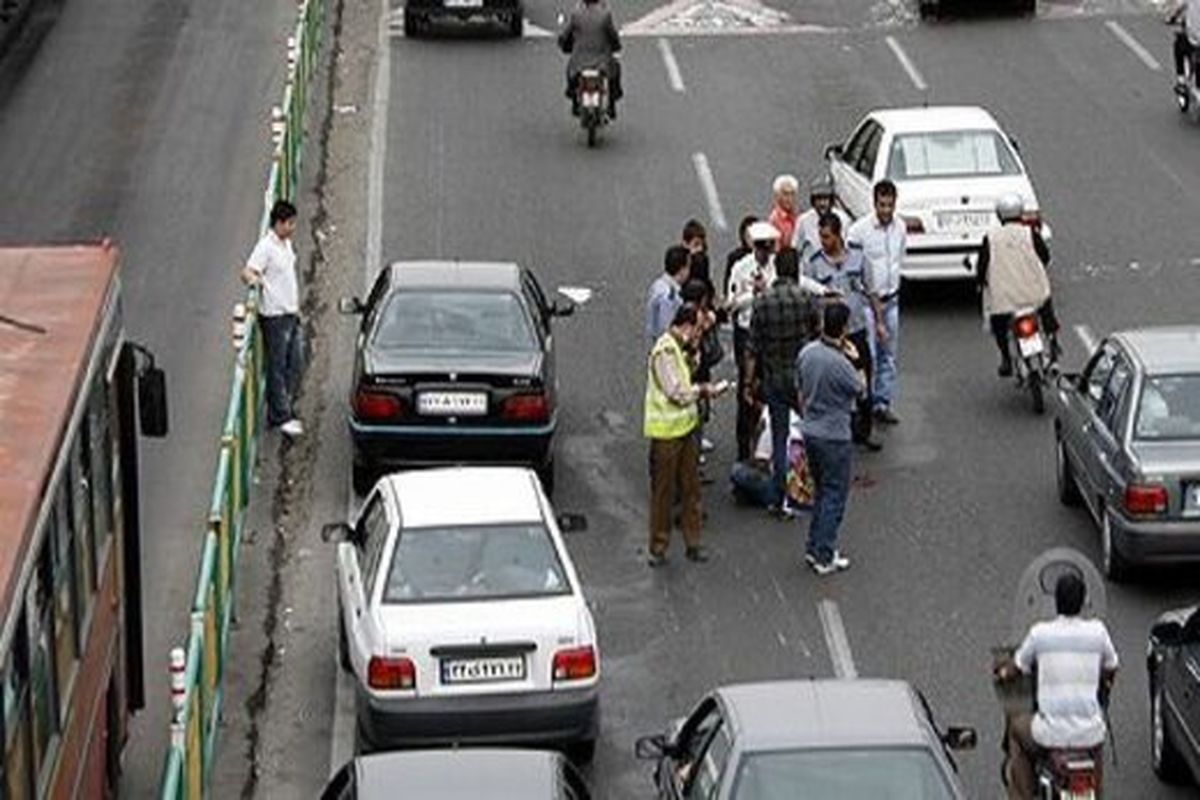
1035,392
591,132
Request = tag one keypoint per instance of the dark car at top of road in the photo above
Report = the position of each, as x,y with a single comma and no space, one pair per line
454,364
467,774
420,14
1173,665
1127,433
849,739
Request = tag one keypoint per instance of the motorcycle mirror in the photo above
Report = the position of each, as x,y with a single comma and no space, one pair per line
960,738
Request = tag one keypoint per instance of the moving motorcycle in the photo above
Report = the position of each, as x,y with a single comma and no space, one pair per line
1060,774
1035,353
591,99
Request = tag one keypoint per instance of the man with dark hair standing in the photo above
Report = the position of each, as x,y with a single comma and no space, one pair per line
671,416
828,385
664,297
1075,658
272,267
782,322
881,237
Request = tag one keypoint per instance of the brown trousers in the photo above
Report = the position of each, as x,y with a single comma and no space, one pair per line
674,472
1022,749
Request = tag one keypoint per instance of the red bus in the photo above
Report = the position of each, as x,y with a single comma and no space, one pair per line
71,645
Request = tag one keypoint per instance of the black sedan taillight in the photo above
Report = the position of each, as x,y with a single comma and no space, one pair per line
529,408
376,406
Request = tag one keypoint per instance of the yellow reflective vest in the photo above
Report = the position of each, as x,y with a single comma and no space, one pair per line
665,419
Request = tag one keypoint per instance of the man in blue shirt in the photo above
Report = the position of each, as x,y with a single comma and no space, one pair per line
664,297
828,385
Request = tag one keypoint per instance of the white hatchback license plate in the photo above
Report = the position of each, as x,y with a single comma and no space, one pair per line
964,220
1031,345
464,3
483,670
452,404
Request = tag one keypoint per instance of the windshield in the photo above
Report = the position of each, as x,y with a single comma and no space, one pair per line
452,321
950,154
885,774
474,563
1170,408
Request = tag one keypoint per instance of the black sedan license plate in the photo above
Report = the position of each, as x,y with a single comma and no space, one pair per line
483,670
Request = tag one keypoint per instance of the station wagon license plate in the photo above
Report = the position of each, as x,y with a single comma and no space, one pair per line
964,220
483,670
452,404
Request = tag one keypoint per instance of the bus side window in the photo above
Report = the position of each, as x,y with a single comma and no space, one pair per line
18,775
81,523
101,451
66,624
39,621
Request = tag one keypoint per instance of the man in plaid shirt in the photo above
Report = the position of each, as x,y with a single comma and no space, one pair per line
784,319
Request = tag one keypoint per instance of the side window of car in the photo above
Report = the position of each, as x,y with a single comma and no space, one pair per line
1191,629
373,535
341,785
866,163
711,768
695,738
858,142
1114,397
378,292
537,299
1096,376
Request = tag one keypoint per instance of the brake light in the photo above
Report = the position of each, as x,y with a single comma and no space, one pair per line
526,408
913,224
576,664
590,82
377,405
1145,499
391,673
1026,326
1081,781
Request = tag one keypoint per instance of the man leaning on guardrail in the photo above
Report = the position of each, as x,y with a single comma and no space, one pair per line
272,267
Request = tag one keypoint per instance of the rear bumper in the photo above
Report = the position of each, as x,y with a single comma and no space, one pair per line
398,446
438,8
939,263
555,718
1174,542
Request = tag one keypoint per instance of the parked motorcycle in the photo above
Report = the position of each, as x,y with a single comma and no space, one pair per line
1060,774
1035,354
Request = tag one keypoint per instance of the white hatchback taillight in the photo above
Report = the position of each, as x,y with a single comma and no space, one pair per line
575,664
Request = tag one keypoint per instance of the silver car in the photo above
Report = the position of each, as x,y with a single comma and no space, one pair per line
1127,432
849,739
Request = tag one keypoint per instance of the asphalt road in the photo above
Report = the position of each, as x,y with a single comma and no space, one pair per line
482,160
145,120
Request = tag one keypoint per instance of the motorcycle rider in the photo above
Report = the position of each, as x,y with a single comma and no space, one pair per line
1076,664
591,38
1187,39
1011,271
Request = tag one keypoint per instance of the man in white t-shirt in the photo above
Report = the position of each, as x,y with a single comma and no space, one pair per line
272,267
1074,658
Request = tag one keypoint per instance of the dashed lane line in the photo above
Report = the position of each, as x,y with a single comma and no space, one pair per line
914,74
1133,44
709,185
1087,337
836,639
674,77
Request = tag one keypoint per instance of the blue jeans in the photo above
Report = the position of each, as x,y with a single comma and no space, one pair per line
283,342
779,409
885,355
751,484
829,463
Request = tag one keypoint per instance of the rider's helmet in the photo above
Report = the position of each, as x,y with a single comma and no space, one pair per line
821,186
1010,207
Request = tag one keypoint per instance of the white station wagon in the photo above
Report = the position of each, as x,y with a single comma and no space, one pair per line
461,616
950,165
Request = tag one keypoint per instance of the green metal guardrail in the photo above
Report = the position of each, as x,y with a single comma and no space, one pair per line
196,673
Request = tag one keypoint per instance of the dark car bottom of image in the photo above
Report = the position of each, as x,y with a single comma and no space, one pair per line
562,719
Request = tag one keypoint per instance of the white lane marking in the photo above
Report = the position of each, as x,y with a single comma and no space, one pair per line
835,638
1133,44
531,31
378,147
709,185
1087,337
668,57
914,74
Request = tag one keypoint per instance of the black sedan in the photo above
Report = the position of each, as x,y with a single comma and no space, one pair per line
454,364
466,774
1173,662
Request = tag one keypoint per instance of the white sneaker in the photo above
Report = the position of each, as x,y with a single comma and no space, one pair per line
292,428
838,563
706,445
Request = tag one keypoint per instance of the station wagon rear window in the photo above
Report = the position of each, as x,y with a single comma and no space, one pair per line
477,562
453,322
950,154
1169,408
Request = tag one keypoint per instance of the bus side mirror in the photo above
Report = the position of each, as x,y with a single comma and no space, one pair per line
152,401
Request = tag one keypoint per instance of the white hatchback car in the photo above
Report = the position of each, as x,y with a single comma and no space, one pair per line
461,616
950,165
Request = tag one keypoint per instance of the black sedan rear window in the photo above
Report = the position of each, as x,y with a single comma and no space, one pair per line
450,321
1170,408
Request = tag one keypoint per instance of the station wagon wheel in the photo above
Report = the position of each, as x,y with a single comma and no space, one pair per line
1116,568
1167,761
1068,492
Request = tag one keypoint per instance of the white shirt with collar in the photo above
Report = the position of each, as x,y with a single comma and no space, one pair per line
808,230
1070,654
884,247
741,286
274,261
